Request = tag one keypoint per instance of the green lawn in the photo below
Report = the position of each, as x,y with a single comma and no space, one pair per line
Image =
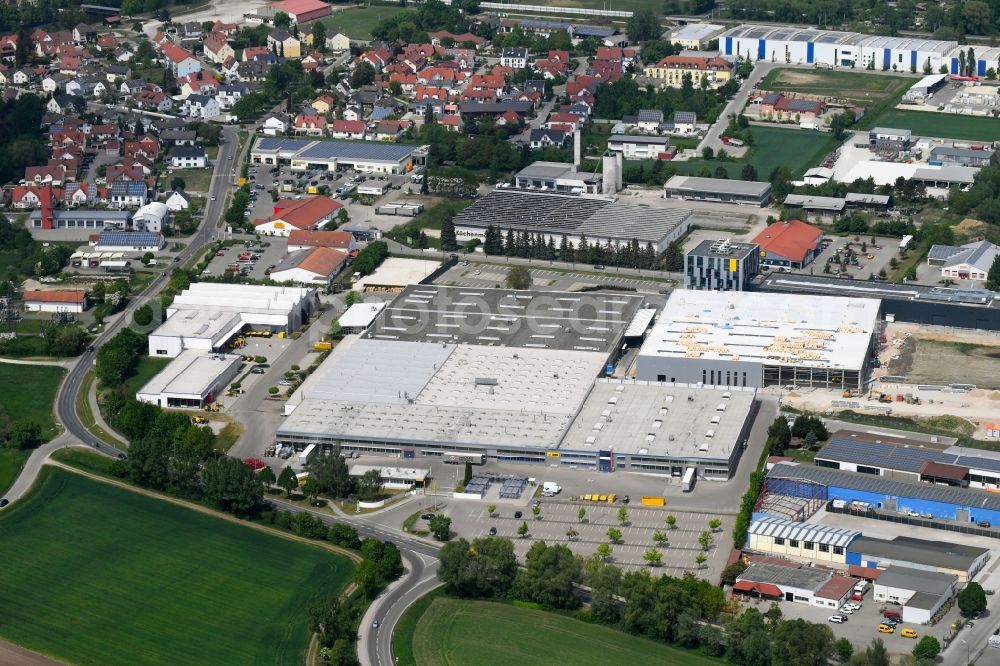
774,146
859,86
453,631
35,403
11,463
357,23
95,574
149,367
945,126
195,180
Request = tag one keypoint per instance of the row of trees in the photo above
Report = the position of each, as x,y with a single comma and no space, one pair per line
534,246
625,97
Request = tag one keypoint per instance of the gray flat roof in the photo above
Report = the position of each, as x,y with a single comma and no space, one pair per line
657,419
960,497
815,202
920,551
192,373
372,151
924,601
558,214
719,185
505,317
696,31
917,580
803,578
638,138
724,248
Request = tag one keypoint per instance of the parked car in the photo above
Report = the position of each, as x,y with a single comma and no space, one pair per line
493,531
984,523
517,514
886,629
908,633
426,516
838,619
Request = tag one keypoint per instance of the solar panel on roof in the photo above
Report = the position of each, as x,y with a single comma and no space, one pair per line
128,238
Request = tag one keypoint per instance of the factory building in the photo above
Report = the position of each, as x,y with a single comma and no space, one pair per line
755,339
721,265
192,380
806,585
779,537
207,315
921,593
363,156
720,190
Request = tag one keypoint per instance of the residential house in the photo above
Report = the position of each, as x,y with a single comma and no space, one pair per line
128,194
153,100
252,71
685,122
181,61
200,83
792,109
274,124
8,48
61,104
178,200
515,57
387,130
124,53
230,68
543,138
229,94
84,33
179,136
339,42
107,42
227,29
191,31
310,125
672,69
132,86
217,48
283,44
353,113
201,106
114,72
616,54
189,157
347,129
323,104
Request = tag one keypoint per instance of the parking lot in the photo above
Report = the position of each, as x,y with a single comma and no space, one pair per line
484,275
883,250
270,249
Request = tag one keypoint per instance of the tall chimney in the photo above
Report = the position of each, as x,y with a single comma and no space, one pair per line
576,148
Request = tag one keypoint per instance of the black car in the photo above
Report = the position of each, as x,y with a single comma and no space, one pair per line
985,523
4,502
122,456
493,531
90,348
426,516
517,514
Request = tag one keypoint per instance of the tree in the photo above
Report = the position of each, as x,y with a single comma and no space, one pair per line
177,183
485,568
24,435
927,648
797,641
660,538
972,599
844,649
448,240
653,557
440,527
518,277
319,36
707,153
581,514
643,25
672,521
364,74
344,535
231,485
536,511
331,619
491,510
993,276
748,172
331,474
287,480
522,531
311,489
623,515
714,524
143,316
700,559
549,576
614,535
370,485
705,540
352,297
266,476
572,534
282,20
604,551
779,436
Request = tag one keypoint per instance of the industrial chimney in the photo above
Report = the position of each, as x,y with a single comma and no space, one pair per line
576,148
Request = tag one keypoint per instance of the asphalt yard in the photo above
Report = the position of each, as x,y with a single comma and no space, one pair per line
470,520
494,275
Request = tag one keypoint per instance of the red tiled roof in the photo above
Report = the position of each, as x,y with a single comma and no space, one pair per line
72,296
943,471
836,588
790,239
323,260
763,589
334,239
302,213
352,126
868,573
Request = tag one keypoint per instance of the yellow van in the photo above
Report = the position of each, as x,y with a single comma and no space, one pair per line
908,633
885,629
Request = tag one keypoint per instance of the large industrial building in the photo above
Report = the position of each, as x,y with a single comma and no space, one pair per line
470,374
755,339
721,190
363,156
556,215
192,380
207,315
807,46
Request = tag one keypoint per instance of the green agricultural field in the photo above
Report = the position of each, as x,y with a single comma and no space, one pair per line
95,574
941,125
358,23
11,463
797,149
860,87
453,631
34,405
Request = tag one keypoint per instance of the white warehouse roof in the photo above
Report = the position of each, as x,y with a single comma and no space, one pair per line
191,374
789,529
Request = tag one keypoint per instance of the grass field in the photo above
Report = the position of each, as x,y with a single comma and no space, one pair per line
11,463
35,404
95,574
942,125
357,23
148,368
453,631
195,180
774,146
864,88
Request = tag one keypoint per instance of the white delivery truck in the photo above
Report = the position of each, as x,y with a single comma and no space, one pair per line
550,489
307,454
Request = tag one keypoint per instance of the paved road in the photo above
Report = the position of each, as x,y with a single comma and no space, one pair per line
713,139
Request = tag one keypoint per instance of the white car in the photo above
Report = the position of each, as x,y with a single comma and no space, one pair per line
853,606
838,619
847,611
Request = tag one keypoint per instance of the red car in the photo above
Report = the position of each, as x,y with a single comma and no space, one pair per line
254,464
220,254
857,597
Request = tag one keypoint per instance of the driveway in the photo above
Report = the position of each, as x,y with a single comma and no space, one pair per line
713,139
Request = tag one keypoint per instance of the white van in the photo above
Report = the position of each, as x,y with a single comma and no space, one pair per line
550,488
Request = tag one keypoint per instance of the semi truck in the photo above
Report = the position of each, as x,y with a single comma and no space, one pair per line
307,454
687,482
